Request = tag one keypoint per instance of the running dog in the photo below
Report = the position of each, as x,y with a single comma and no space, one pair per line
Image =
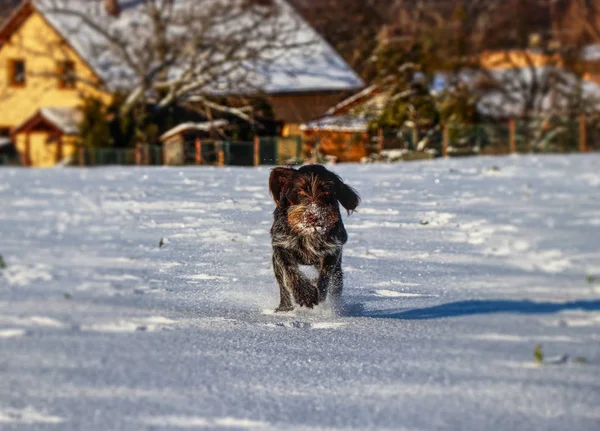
308,230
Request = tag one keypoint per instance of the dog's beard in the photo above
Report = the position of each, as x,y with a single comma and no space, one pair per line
311,219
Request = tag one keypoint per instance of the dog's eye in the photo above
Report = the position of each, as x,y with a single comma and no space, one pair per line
302,193
327,193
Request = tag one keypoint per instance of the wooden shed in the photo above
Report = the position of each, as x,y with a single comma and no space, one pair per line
344,132
344,137
179,143
48,137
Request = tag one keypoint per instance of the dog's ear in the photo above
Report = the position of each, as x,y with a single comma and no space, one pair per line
279,180
347,196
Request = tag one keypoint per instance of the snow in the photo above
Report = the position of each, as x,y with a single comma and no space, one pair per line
454,271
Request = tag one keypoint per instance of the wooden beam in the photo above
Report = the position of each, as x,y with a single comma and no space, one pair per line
198,143
256,151
512,136
138,154
59,148
583,133
26,156
445,140
220,153
379,141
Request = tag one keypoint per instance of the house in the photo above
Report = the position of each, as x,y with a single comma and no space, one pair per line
344,130
40,54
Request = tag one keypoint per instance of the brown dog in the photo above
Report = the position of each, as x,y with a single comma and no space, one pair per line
308,230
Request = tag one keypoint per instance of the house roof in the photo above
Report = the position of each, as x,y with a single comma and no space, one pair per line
205,126
4,141
353,100
306,64
338,123
61,119
352,114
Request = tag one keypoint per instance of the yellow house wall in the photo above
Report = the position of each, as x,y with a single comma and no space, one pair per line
41,47
42,151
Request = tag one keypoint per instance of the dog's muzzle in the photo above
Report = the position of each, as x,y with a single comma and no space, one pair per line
312,219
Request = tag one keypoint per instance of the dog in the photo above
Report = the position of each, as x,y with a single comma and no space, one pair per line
308,230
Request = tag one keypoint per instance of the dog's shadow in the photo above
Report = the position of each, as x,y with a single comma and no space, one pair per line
471,307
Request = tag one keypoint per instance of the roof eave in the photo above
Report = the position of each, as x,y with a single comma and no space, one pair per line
14,20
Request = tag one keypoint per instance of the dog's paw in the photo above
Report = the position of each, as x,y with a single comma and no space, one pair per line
284,308
307,295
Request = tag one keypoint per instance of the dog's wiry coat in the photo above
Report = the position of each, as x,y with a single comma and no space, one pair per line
308,230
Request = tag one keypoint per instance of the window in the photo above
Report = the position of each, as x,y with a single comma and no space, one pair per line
16,70
66,74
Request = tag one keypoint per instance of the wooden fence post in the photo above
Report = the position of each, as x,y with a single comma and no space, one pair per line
59,149
138,154
380,142
445,139
512,138
220,153
256,151
583,133
81,156
198,151
26,156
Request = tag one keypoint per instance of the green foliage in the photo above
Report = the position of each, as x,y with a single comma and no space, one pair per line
538,354
591,279
94,129
2,263
439,48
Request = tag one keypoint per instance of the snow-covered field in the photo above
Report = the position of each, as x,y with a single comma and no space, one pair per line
455,271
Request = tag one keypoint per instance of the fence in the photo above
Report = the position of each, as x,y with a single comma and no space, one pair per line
514,136
561,135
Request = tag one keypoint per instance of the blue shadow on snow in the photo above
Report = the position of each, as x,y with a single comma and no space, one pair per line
471,307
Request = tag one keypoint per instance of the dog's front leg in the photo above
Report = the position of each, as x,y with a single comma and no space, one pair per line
330,276
292,282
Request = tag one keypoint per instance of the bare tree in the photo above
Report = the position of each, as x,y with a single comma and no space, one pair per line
168,51
351,26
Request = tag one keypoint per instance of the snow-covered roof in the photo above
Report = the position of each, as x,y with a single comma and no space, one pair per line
352,99
65,119
306,62
4,141
338,123
352,114
191,126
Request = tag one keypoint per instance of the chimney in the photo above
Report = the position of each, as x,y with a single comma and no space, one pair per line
112,7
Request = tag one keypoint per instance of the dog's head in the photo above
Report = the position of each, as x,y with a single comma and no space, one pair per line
311,195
